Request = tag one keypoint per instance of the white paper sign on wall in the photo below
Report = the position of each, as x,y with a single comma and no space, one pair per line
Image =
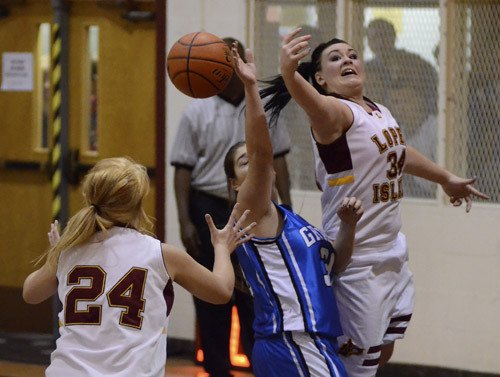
17,71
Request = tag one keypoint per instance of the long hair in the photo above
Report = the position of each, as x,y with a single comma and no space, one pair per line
229,170
114,191
277,94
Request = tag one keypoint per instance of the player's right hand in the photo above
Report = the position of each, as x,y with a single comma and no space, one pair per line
350,211
294,48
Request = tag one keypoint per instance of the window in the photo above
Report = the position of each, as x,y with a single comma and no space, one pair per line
43,88
91,88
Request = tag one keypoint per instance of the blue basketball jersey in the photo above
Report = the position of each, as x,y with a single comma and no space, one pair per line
290,278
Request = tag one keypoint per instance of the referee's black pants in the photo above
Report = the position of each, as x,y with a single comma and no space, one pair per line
215,320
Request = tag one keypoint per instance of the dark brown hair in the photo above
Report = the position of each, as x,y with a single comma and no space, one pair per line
276,88
229,170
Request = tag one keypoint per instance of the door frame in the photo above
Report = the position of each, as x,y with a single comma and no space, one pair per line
160,140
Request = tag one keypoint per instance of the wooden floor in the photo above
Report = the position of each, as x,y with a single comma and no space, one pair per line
175,368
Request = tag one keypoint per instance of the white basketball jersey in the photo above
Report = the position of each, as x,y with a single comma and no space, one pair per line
116,295
367,162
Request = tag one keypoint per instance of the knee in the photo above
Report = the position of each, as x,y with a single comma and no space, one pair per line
386,353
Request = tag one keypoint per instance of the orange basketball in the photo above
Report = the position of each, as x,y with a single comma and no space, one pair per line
200,64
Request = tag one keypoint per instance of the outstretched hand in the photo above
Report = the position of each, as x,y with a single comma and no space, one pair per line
293,49
460,189
53,234
350,211
232,235
247,72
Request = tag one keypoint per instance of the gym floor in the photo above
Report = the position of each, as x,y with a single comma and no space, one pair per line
176,367
28,356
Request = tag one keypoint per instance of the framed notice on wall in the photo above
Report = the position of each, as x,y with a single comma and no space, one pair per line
17,71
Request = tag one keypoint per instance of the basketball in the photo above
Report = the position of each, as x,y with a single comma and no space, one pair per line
200,64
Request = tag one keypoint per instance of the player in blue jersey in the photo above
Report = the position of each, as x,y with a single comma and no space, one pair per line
289,265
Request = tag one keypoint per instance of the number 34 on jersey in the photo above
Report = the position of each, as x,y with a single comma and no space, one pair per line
392,189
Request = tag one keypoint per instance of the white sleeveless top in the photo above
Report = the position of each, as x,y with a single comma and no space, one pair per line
367,162
116,295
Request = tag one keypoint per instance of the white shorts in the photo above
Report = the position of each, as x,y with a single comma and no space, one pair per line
375,297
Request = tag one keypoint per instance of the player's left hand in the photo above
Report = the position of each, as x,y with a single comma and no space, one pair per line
350,211
460,189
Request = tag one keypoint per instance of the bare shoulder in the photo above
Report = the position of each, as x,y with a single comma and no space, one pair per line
172,250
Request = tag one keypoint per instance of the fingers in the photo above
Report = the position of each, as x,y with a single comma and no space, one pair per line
235,222
210,222
351,203
249,56
242,219
457,201
470,181
296,45
232,217
468,203
54,227
244,235
234,50
357,207
298,48
238,61
477,193
289,37
344,202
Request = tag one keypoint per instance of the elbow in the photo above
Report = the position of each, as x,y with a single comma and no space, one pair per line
30,298
225,297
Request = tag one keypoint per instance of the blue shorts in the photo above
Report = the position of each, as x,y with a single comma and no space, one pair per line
297,354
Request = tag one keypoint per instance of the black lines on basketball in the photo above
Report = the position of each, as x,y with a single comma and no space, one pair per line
200,64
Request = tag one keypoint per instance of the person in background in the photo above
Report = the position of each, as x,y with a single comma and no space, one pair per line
115,281
289,264
407,84
396,77
360,151
207,129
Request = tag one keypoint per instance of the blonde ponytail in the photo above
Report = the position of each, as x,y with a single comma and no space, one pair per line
114,191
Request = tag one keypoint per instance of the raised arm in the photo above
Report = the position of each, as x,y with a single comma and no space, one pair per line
328,116
256,190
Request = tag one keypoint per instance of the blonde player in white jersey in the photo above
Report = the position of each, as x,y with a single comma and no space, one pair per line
360,151
115,281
